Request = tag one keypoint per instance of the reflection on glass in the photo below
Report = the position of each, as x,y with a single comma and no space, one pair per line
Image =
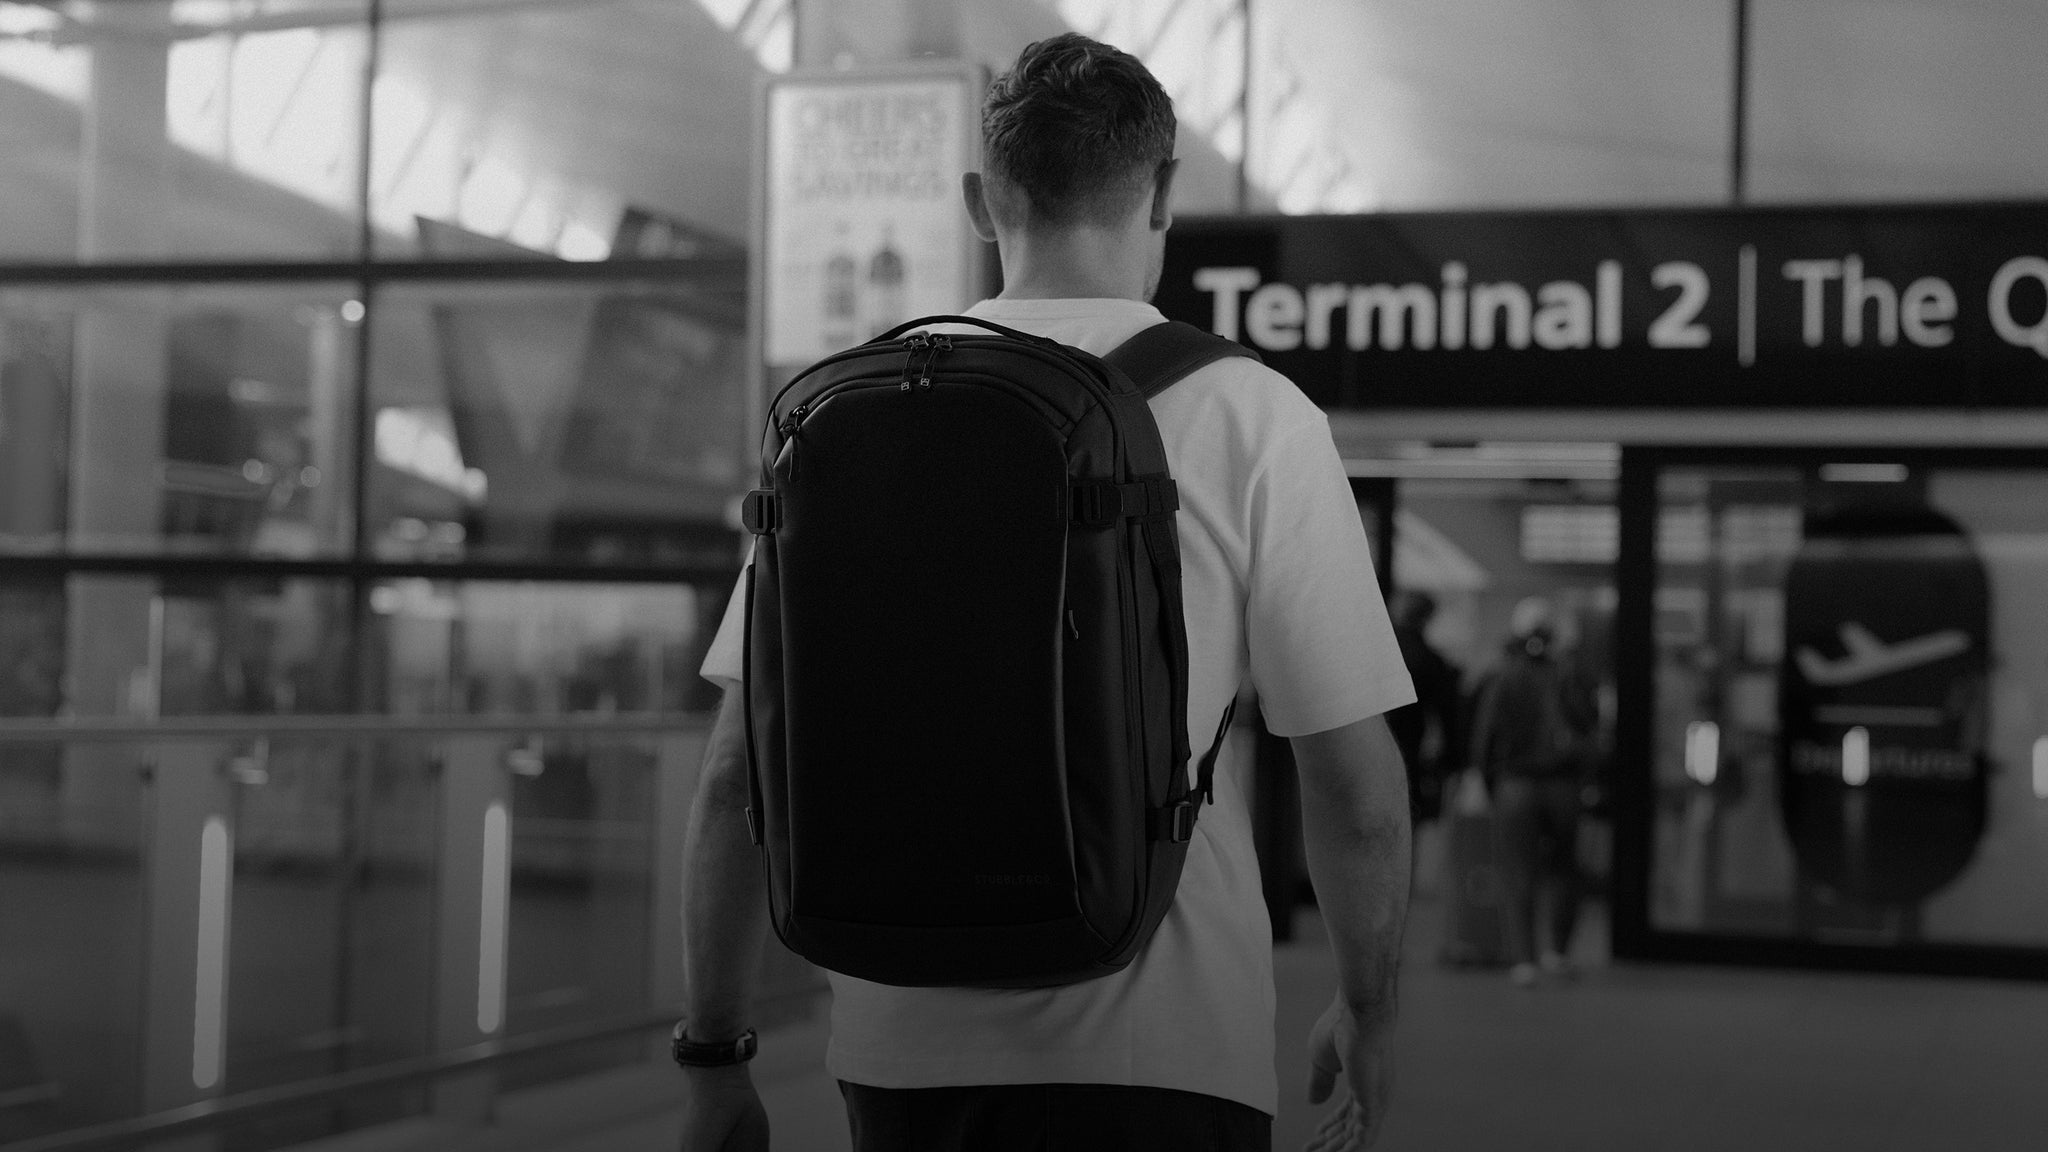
70,984
581,838
245,144
597,425
1866,640
331,945
536,160
541,649
194,421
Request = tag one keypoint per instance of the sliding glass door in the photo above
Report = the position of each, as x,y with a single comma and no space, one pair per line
1835,708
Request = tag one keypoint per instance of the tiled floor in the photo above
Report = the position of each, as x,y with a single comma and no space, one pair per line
1627,1058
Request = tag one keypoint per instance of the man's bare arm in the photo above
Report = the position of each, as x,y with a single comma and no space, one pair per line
725,894
1354,801
725,919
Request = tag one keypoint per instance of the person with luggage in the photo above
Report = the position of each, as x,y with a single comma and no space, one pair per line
895,670
1533,725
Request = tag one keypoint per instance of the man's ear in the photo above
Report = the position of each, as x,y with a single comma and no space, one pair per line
974,194
1162,197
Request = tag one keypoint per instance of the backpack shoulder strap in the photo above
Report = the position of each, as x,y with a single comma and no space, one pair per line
1160,356
1156,359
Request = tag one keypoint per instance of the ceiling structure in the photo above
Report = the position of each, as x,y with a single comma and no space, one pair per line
540,120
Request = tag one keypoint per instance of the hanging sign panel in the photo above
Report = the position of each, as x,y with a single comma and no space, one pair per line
1882,764
1936,307
861,219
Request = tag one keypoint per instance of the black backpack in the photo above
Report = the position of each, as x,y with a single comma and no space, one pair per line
966,668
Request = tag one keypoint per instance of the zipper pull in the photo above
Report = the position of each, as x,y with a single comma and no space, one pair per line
791,426
913,344
1071,626
939,344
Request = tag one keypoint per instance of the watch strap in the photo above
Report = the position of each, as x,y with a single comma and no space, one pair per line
697,1054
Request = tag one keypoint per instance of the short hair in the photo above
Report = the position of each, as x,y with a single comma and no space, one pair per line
1079,128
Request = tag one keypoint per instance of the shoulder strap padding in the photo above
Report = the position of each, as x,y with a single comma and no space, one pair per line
1160,356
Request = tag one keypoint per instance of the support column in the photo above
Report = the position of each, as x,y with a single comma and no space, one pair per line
117,414
32,387
190,887
330,383
472,913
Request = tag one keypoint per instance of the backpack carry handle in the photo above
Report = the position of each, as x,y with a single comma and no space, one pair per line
925,321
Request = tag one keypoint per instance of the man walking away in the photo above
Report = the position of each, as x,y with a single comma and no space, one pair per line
1531,726
1174,1051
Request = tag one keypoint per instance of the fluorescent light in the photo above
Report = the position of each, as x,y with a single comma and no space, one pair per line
490,952
2041,768
210,992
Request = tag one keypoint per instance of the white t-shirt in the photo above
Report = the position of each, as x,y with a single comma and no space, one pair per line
1278,586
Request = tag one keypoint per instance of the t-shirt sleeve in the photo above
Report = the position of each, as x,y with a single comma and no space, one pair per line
724,662
1322,650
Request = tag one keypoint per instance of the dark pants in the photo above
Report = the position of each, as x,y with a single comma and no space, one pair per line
1538,825
1051,1118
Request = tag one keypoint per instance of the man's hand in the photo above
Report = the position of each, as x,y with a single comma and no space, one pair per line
1356,1049
722,1112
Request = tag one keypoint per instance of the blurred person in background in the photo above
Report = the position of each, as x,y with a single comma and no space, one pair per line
1533,726
1430,731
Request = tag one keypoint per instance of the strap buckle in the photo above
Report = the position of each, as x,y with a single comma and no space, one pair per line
1157,496
760,512
1175,823
1094,505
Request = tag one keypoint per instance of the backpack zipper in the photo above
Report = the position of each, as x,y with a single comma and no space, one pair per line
791,425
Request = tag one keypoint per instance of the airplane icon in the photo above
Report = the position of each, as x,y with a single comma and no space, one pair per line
1869,657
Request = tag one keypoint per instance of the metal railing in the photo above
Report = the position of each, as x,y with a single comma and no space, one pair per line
46,730
194,778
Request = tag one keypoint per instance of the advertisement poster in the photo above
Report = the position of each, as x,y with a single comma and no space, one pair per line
863,223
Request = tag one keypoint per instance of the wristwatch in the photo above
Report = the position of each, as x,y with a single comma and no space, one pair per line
692,1054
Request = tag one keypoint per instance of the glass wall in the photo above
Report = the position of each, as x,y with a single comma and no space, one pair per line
572,423
383,377
179,419
1851,713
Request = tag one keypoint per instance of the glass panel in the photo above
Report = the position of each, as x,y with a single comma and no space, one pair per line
335,843
1849,704
202,420
1410,104
71,902
559,422
1831,84
331,954
582,838
491,137
544,649
581,831
153,129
